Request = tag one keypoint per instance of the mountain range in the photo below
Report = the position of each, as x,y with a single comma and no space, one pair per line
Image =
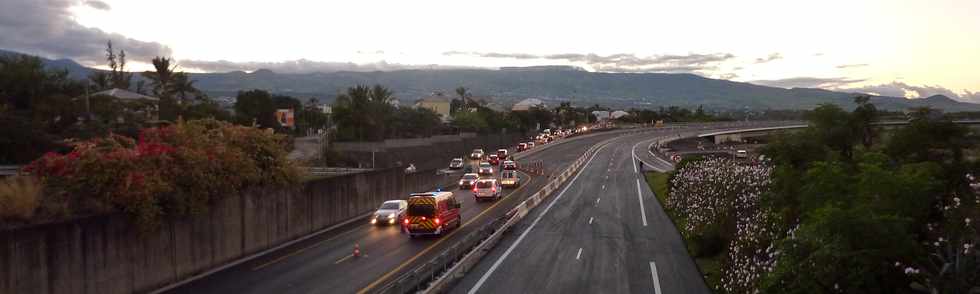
551,84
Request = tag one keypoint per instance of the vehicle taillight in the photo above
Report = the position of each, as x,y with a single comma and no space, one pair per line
406,221
494,189
437,220
474,188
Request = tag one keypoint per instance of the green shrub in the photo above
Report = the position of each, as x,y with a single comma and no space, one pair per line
708,243
19,197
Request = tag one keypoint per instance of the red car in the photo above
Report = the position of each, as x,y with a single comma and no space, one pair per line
494,159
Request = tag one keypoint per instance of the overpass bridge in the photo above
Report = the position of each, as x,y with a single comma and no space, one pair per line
739,135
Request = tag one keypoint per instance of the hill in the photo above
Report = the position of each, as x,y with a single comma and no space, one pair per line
549,83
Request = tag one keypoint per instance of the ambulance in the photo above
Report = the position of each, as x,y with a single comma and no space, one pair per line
431,213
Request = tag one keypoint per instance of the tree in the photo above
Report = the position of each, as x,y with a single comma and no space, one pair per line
162,77
470,121
99,81
182,86
255,106
352,111
832,126
465,95
865,115
118,76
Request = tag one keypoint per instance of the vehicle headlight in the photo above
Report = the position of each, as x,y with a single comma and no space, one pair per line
391,215
374,221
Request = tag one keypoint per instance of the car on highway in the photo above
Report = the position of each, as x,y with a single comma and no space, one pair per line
530,145
431,213
390,212
456,163
485,169
467,180
741,154
509,179
486,189
493,159
502,153
476,154
521,147
509,165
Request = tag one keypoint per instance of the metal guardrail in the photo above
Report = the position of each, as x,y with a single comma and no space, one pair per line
9,170
332,171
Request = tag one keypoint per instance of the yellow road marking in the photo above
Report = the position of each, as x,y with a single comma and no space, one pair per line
444,238
281,258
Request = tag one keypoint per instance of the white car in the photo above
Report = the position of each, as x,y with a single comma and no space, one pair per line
468,180
476,154
457,163
486,189
485,169
390,212
509,165
741,154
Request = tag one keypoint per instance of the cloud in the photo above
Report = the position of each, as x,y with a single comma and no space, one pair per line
48,28
621,62
900,89
772,57
302,66
808,82
98,5
842,66
728,76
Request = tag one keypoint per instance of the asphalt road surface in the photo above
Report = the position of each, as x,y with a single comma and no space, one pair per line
324,264
604,232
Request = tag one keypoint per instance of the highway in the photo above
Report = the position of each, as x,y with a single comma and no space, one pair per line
594,238
324,264
604,232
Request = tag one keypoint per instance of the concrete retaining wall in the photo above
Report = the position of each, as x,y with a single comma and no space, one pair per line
436,153
105,254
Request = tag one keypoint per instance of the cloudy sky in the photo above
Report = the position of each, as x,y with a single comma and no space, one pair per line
906,48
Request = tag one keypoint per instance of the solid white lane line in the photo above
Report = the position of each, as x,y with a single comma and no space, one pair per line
520,238
590,220
639,194
656,279
579,253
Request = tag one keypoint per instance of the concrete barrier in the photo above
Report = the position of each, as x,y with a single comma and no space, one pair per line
106,254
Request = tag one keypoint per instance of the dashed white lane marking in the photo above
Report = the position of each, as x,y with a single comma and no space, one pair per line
590,220
656,279
603,186
579,254
639,194
483,279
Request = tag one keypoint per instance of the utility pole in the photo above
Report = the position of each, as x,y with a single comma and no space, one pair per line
88,107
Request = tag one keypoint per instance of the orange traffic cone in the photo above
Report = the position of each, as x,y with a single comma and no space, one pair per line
357,250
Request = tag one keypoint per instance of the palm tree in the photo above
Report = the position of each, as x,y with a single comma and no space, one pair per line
381,94
465,95
162,78
182,85
352,109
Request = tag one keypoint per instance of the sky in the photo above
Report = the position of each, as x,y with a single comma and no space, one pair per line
911,48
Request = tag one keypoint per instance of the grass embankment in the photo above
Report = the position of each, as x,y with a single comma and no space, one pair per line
710,266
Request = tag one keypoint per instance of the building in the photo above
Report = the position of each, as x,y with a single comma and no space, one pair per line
601,115
618,114
527,104
438,103
137,104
